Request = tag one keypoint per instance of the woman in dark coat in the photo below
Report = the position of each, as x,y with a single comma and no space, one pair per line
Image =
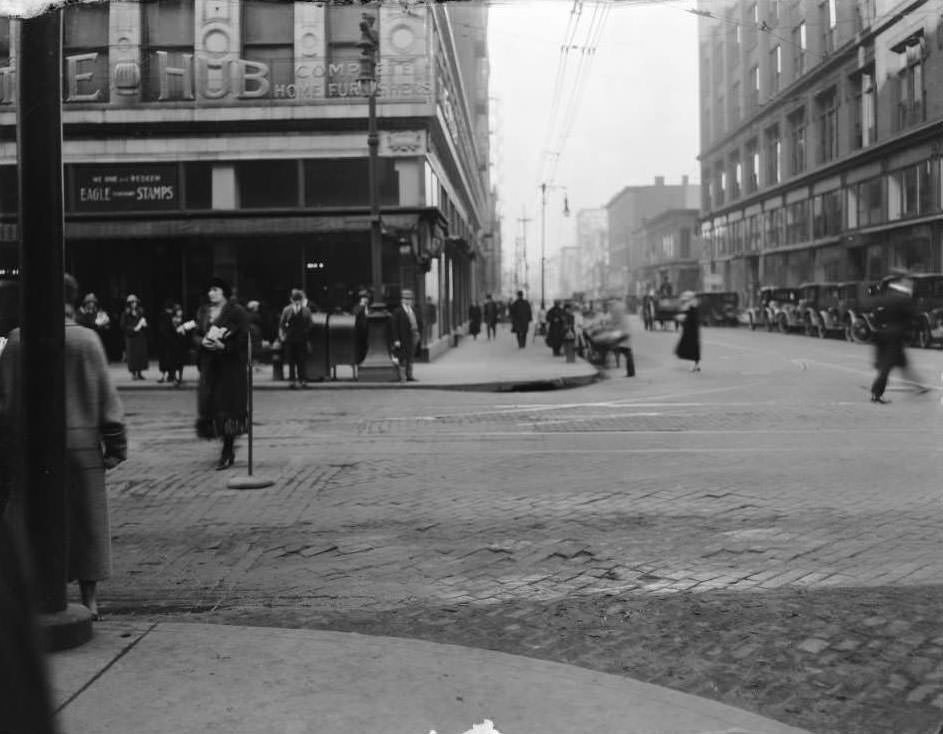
134,328
689,346
556,327
223,331
474,320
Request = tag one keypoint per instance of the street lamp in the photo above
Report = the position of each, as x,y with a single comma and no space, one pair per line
543,232
376,364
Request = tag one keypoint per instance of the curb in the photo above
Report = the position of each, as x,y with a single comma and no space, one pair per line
557,383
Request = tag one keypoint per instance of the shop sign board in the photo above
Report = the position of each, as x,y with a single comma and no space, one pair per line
97,188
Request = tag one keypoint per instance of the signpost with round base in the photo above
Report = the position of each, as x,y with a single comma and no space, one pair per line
250,481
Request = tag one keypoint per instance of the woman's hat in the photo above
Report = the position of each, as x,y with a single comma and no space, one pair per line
222,285
90,298
687,296
132,299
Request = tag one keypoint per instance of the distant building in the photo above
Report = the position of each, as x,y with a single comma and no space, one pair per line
570,272
626,212
592,238
821,134
671,251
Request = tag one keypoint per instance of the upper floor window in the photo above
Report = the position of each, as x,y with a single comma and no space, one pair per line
910,91
827,15
736,176
753,93
864,111
827,214
343,31
772,11
84,52
797,140
826,105
268,37
775,68
7,90
774,151
735,103
799,48
167,49
719,122
752,160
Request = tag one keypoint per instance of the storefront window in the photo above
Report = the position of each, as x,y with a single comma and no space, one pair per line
774,227
870,198
345,182
267,184
929,186
797,229
84,52
167,50
268,32
198,179
9,190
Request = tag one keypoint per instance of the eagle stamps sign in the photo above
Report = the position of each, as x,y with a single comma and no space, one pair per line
124,188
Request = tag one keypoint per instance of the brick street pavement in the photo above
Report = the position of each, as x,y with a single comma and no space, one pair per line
757,533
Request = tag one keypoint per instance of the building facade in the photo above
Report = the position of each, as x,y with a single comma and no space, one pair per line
592,240
626,212
671,251
821,139
229,137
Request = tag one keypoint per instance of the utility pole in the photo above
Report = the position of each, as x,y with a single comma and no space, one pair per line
42,305
524,219
543,232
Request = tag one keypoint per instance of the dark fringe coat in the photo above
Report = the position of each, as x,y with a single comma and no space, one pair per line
223,390
689,346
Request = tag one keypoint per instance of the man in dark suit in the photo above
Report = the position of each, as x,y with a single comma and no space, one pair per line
407,331
521,316
490,311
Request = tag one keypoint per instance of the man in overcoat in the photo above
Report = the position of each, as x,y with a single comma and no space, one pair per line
521,316
406,334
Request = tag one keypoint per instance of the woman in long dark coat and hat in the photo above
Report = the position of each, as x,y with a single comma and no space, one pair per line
222,329
689,346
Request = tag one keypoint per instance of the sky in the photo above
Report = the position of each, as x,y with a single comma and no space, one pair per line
636,116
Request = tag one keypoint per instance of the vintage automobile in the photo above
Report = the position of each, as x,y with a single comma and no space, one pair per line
831,308
927,327
778,308
719,307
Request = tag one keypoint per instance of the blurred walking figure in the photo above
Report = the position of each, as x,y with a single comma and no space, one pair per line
134,327
178,346
521,316
95,441
407,329
165,335
362,324
92,317
293,331
689,346
490,313
894,315
223,330
474,320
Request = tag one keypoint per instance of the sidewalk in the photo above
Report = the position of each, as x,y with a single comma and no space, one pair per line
183,678
475,364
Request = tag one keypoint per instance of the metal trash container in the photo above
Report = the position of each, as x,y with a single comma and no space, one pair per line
316,363
342,342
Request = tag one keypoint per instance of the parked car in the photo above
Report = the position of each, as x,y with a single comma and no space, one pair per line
829,308
719,307
9,308
778,308
927,327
